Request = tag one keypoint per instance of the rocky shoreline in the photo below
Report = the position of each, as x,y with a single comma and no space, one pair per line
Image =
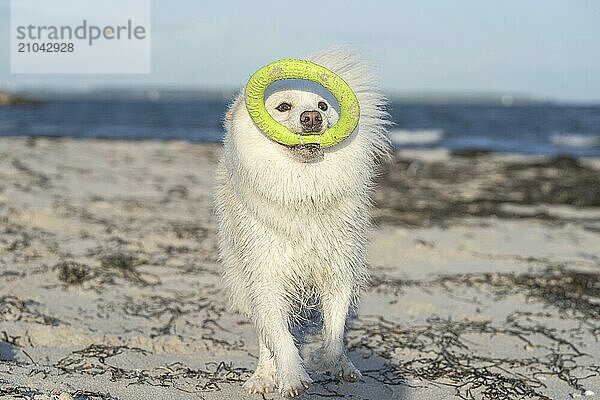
10,99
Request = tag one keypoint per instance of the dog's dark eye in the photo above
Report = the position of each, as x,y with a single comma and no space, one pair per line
323,106
283,107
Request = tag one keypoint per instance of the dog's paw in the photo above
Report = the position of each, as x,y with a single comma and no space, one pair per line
346,371
339,366
321,360
260,382
293,385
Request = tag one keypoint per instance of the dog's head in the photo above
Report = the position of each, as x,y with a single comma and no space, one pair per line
259,156
303,107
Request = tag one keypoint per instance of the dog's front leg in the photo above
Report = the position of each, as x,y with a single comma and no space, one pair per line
271,320
264,378
332,354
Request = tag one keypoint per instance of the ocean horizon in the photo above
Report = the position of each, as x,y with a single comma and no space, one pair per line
490,122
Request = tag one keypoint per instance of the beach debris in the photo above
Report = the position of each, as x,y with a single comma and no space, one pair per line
574,292
176,192
94,360
120,264
443,357
53,396
22,241
27,393
168,311
15,309
533,331
585,393
118,261
73,273
440,351
37,178
188,230
478,185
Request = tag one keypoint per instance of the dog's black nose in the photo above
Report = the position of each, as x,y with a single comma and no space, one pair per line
311,121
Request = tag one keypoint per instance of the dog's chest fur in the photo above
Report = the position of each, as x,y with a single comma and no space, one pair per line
307,242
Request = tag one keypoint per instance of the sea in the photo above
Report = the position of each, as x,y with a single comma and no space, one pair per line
541,128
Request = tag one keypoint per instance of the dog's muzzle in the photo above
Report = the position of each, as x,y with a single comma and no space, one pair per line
308,152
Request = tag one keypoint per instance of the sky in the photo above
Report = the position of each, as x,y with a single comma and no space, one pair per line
547,49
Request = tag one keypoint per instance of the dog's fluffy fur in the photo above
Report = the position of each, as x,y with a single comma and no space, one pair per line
292,225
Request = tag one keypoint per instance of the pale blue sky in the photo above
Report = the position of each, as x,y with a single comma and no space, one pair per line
545,48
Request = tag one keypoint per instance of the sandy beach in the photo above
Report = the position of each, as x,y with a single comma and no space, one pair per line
485,278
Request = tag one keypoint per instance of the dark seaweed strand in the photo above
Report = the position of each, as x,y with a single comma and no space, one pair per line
23,392
572,292
15,309
445,357
94,360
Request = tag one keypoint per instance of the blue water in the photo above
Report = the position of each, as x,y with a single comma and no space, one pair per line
529,129
196,121
548,129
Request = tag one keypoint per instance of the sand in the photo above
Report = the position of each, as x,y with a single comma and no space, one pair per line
485,278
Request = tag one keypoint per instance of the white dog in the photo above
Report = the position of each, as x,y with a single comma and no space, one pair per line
293,221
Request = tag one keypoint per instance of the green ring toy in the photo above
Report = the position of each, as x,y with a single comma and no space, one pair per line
301,69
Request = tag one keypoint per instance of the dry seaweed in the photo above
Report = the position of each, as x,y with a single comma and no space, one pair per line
27,393
440,352
14,309
22,241
118,264
570,291
19,392
94,360
37,178
73,273
187,230
573,292
88,395
171,311
444,355
122,238
420,193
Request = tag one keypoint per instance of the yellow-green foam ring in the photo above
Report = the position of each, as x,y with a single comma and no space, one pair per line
301,69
